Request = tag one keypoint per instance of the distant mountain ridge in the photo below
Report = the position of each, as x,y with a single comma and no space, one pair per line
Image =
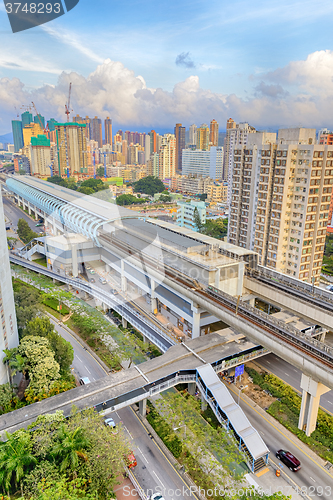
7,138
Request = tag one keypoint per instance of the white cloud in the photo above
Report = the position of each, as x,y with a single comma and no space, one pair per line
114,90
313,75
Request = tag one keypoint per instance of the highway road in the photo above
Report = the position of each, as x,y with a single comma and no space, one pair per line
154,471
292,376
14,213
311,475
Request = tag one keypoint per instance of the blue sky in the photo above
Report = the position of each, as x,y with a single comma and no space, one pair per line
269,63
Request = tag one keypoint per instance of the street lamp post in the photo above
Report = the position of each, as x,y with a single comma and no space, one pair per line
239,391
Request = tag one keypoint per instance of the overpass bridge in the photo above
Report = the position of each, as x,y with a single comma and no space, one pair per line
198,278
196,363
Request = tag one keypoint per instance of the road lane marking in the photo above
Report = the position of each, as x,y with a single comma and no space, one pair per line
128,432
158,478
88,370
164,455
79,358
142,454
268,362
287,374
312,479
276,428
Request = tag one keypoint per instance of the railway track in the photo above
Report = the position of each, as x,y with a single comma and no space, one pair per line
311,347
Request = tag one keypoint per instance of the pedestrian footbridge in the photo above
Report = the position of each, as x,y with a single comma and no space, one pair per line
197,362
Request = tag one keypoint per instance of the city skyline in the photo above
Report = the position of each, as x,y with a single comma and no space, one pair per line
274,71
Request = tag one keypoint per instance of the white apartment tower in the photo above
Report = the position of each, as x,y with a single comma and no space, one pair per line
236,136
285,219
193,135
8,327
167,156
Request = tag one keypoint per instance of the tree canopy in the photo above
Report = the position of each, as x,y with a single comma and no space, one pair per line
216,228
24,231
149,185
128,199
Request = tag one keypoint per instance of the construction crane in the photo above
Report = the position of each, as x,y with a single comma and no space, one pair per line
45,129
67,106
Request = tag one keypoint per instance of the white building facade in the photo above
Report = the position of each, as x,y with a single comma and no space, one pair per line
203,163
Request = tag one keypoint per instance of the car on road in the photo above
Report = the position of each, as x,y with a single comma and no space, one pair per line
7,228
92,280
84,381
103,281
156,496
109,422
91,271
39,224
330,288
289,460
88,267
114,291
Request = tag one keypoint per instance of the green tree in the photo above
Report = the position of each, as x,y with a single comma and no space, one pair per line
57,179
86,190
62,489
6,396
24,232
42,367
10,355
127,199
69,448
63,351
100,172
15,458
197,220
94,184
165,199
149,185
217,228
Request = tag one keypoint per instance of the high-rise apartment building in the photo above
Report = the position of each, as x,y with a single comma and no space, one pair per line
153,146
284,214
8,327
108,130
72,148
26,118
236,135
203,163
203,137
180,145
31,130
40,120
193,135
17,135
40,156
147,147
167,157
96,131
214,133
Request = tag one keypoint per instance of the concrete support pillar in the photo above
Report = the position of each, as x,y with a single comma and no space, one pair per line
217,278
312,391
124,322
104,307
123,278
252,302
107,268
54,227
153,299
36,214
203,403
143,407
86,296
75,267
29,208
69,287
240,278
195,321
145,340
191,386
